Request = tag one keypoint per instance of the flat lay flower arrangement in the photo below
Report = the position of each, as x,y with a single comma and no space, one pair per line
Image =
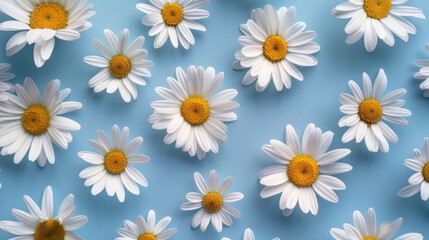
198,119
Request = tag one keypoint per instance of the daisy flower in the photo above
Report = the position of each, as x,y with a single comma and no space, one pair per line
272,45
192,111
211,202
423,74
31,122
174,19
146,230
303,170
4,77
366,229
377,19
122,67
40,223
110,169
248,235
365,112
39,22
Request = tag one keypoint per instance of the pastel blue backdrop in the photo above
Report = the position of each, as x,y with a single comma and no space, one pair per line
373,182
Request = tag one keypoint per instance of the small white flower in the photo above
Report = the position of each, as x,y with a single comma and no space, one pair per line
211,202
4,77
423,74
122,67
40,223
110,168
248,235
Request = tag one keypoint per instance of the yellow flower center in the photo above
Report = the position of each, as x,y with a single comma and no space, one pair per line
35,119
303,170
369,238
425,172
50,230
195,110
275,48
377,9
212,202
115,161
370,111
49,15
172,13
120,66
147,236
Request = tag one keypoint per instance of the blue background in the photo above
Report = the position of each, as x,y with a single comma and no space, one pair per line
373,182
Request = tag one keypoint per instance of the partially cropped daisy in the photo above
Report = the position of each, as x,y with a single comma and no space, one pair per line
303,170
366,229
377,19
212,202
248,235
192,111
272,45
146,229
423,74
110,168
31,122
122,67
5,86
365,112
39,223
39,22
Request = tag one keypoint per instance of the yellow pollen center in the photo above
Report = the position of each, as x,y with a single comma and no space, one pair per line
370,111
50,230
36,119
115,161
303,170
172,13
377,9
369,238
425,172
147,236
195,110
275,48
120,66
49,15
212,202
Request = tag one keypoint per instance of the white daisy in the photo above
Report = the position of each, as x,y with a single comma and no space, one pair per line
365,112
40,21
110,168
303,170
248,235
4,77
174,19
211,202
423,74
30,122
377,19
40,223
192,111
122,67
146,230
366,229
272,45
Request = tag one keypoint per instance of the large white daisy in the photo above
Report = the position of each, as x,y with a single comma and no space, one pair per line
31,122
377,19
211,202
303,170
192,111
272,45
40,21
174,20
248,235
41,224
146,230
5,86
366,229
365,112
122,67
423,73
110,168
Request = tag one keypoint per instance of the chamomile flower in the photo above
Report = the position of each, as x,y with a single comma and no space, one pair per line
272,45
5,86
366,229
39,22
40,223
377,19
174,20
303,170
248,235
365,112
192,111
146,229
122,67
423,74
110,168
31,122
212,202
